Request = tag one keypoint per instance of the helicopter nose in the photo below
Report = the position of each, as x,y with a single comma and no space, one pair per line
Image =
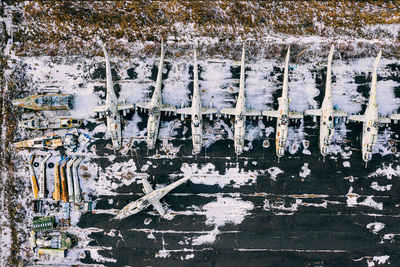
324,150
116,144
18,102
281,152
150,143
367,157
196,149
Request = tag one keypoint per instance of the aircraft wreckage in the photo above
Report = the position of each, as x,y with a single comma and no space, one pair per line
50,123
46,102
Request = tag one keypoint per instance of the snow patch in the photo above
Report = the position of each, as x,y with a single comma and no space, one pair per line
305,171
225,210
377,187
375,227
379,260
274,172
209,176
368,201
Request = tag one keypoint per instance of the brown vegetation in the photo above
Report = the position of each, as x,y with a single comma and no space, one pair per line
7,162
70,27
86,175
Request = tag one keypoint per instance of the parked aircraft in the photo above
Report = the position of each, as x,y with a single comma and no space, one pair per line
326,112
152,197
50,123
370,119
42,178
196,111
283,114
240,112
49,141
46,102
155,107
34,182
111,107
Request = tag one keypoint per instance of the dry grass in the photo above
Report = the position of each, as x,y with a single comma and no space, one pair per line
7,164
70,27
129,175
86,175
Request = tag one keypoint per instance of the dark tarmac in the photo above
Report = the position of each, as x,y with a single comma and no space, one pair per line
287,235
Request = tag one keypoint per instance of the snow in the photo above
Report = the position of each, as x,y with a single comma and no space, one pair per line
215,80
94,254
305,171
377,187
116,175
379,260
208,238
188,257
177,90
225,210
386,171
274,172
375,227
209,176
286,206
303,97
132,129
73,75
385,94
352,200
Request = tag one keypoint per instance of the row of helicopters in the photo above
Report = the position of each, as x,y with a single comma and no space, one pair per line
110,109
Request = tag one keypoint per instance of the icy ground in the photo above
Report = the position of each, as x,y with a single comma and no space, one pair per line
230,194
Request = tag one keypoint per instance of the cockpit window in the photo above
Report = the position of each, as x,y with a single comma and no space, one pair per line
284,119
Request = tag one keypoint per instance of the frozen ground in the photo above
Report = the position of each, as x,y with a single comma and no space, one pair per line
251,211
251,208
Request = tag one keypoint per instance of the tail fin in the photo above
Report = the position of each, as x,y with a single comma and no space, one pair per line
328,92
285,75
195,75
241,85
372,98
110,86
160,68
